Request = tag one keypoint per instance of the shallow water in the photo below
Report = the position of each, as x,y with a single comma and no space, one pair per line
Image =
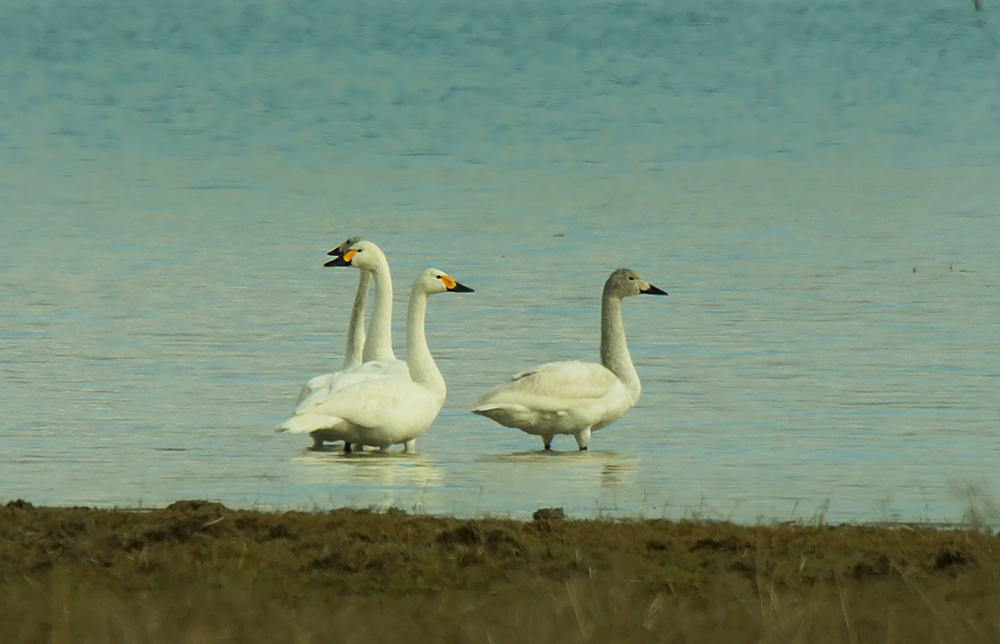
813,183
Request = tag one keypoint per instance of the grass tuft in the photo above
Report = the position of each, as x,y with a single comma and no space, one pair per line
197,571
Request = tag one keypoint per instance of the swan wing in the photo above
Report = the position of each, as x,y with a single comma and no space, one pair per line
554,387
386,401
316,383
321,388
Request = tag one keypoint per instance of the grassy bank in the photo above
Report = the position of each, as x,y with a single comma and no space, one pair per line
199,572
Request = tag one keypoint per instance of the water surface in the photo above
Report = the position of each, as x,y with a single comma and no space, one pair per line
813,183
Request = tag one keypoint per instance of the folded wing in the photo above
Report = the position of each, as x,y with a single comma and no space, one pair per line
554,387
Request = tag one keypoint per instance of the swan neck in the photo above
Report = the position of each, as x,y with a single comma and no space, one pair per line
423,369
614,350
378,344
356,325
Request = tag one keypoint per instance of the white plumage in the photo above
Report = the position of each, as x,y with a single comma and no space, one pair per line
390,407
575,397
376,358
355,329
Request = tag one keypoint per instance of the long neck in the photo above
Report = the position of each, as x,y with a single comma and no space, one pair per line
356,326
423,370
378,344
614,350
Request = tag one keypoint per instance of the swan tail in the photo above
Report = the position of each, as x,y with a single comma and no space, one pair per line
506,414
314,384
307,423
303,394
485,410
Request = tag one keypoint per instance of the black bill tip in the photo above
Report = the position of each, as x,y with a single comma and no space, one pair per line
337,261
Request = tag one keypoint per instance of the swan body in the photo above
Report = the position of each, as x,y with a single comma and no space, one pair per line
558,398
575,397
391,407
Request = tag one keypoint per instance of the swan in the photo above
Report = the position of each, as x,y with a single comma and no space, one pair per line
392,408
575,397
377,358
355,328
377,355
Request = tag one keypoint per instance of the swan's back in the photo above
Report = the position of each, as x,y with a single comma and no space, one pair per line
554,386
321,388
559,397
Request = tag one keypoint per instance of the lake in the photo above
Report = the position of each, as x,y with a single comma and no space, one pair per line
814,183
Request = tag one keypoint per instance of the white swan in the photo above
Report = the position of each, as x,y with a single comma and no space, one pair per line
355,328
355,337
377,356
392,408
378,359
576,397
370,259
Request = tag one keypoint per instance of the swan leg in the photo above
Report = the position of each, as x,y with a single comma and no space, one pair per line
410,446
347,447
582,438
548,441
317,443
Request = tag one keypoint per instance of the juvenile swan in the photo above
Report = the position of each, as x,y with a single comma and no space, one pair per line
574,397
392,408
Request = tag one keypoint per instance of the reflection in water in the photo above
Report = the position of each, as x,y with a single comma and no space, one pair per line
615,474
581,482
369,468
614,463
370,479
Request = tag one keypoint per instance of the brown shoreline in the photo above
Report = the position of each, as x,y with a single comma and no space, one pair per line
197,571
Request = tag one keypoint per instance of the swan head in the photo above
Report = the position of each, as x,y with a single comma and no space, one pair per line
625,282
434,281
361,254
340,250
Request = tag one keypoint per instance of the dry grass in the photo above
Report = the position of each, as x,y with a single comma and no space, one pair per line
198,572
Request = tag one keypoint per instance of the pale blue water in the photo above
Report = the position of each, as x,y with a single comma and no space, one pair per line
815,184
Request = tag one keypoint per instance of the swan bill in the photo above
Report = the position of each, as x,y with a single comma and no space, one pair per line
451,285
340,250
652,290
342,260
